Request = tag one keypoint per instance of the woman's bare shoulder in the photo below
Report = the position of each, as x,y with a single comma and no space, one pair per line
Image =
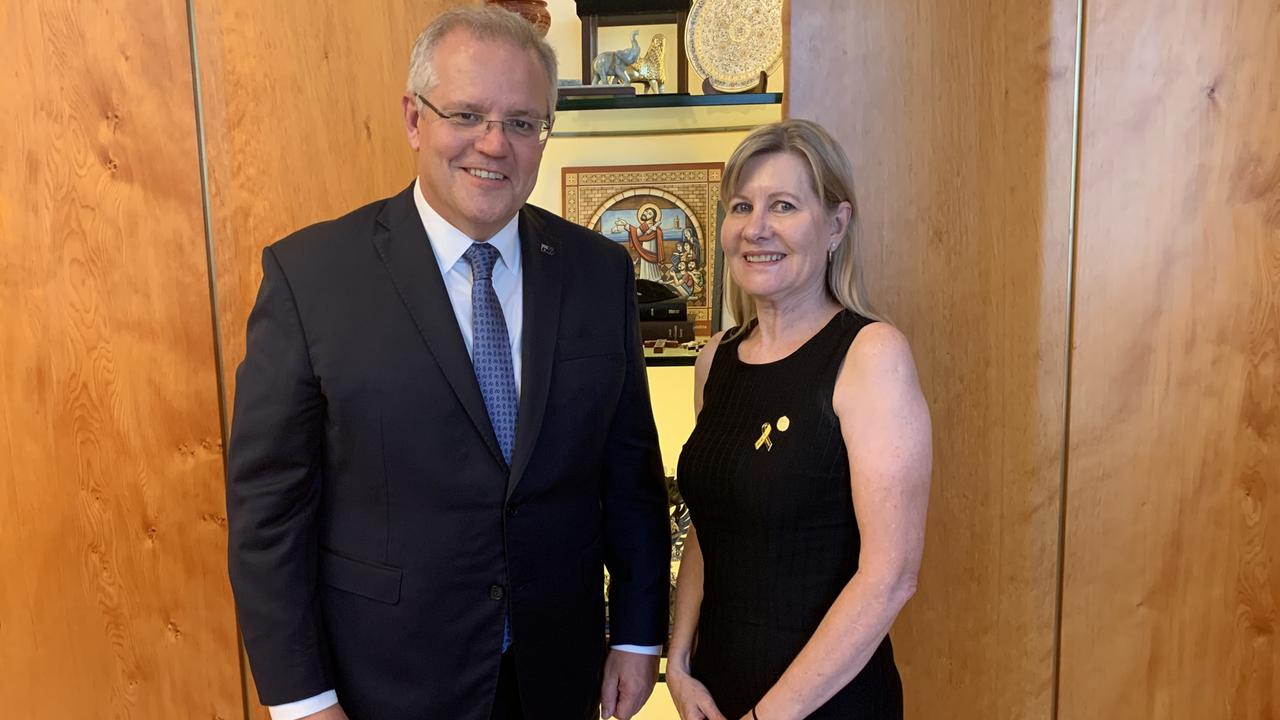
702,367
878,361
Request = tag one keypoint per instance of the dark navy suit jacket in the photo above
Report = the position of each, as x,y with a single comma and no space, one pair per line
377,537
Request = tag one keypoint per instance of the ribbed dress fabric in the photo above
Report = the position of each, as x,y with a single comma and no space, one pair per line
775,524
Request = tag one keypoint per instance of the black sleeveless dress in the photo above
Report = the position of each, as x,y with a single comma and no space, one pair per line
775,523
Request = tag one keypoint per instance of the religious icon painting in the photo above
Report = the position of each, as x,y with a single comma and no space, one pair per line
668,219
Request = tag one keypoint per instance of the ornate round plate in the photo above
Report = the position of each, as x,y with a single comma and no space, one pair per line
730,41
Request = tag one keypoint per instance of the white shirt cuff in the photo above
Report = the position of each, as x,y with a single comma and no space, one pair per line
303,708
637,649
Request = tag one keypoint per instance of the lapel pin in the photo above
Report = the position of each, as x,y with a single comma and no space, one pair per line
784,422
764,440
547,249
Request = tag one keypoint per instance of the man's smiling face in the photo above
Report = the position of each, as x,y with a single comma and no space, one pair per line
478,183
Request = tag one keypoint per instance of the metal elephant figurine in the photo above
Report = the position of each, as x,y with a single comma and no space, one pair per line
612,65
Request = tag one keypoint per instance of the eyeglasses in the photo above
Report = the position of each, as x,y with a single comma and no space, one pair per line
476,125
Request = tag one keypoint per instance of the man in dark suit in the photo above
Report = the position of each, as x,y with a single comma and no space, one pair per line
442,431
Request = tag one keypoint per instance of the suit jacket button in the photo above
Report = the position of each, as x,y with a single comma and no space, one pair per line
495,592
511,511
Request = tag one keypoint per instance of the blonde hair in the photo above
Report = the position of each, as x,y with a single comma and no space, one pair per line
832,179
485,22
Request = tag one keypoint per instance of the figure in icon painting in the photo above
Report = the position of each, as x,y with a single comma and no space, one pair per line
645,241
662,241
687,262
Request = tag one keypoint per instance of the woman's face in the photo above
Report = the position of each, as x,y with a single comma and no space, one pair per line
777,231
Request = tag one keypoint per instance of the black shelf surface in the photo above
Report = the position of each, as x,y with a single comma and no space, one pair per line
627,102
670,358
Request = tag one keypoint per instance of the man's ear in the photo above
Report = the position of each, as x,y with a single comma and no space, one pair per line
840,219
410,108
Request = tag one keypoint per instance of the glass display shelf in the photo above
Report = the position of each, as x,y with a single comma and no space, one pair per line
664,100
664,114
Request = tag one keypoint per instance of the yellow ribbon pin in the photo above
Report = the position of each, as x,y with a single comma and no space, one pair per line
764,437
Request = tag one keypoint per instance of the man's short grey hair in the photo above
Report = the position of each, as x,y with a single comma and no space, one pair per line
485,22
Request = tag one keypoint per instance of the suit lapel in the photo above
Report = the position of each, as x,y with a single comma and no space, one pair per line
539,257
402,243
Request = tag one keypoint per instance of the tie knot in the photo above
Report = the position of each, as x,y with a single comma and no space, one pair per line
482,256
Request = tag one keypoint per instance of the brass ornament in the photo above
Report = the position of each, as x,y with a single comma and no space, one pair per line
729,42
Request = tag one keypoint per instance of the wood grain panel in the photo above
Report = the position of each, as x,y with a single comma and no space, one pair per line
1172,574
958,119
114,601
302,111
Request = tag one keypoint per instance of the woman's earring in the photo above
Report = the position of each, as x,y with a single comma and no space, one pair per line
831,252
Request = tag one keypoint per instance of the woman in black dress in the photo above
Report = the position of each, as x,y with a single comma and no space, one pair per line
807,474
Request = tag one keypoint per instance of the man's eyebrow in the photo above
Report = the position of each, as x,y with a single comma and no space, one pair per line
526,113
468,106
475,107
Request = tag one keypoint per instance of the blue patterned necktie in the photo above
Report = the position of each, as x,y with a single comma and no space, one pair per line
491,348
491,358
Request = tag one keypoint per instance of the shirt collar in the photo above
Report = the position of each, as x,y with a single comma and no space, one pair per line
449,243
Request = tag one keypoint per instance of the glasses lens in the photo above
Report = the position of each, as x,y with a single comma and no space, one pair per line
516,129
520,128
467,120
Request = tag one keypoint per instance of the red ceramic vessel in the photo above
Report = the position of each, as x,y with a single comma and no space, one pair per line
535,11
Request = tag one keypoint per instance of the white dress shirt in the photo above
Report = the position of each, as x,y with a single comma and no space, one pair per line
448,243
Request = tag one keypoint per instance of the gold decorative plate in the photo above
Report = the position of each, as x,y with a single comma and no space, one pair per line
730,42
